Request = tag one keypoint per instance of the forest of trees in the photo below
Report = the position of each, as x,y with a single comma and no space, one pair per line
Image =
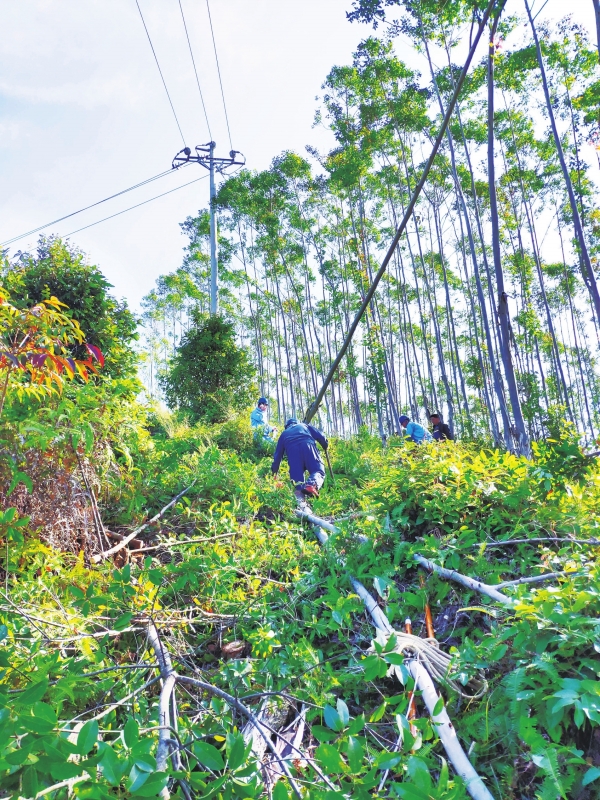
490,309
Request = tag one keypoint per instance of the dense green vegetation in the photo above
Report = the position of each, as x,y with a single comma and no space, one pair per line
209,374
245,601
170,624
60,270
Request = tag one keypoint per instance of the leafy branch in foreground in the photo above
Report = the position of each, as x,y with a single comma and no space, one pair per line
35,350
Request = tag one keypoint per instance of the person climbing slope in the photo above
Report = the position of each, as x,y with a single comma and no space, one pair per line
298,443
413,431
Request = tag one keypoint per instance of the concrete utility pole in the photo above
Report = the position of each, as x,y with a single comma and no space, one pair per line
205,155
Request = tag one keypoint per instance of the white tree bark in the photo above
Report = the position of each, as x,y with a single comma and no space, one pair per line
445,730
469,583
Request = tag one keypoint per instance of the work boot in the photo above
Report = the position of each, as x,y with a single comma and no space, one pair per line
311,490
299,492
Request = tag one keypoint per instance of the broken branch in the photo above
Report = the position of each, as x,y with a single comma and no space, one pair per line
469,583
101,556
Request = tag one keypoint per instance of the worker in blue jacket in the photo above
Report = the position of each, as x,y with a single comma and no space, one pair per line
413,431
259,422
298,443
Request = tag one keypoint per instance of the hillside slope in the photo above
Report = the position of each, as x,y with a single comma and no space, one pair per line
233,593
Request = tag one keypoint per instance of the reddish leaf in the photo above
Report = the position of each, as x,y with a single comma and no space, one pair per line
89,365
37,359
82,370
96,352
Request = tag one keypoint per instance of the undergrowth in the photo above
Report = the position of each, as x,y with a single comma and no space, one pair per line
245,601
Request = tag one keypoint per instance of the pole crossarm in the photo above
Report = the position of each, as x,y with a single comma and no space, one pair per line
205,156
312,410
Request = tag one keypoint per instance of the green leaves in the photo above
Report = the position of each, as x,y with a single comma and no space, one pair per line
355,753
235,748
113,767
374,667
131,732
590,776
329,757
123,621
208,756
87,737
439,707
583,695
33,693
149,786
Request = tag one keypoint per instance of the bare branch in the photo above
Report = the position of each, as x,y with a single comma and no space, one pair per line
593,542
124,542
537,579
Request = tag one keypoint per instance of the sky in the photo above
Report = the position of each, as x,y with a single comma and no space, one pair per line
84,113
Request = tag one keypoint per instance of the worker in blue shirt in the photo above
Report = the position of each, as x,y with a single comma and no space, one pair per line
299,443
258,420
413,431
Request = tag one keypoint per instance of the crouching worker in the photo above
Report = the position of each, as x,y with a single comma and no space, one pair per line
413,431
441,432
259,423
298,443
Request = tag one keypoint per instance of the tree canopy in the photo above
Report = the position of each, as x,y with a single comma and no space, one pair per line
209,374
59,269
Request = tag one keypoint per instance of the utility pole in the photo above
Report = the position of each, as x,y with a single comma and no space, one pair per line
205,155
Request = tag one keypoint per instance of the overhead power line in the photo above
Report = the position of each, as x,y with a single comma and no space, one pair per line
195,70
219,71
160,70
85,208
176,189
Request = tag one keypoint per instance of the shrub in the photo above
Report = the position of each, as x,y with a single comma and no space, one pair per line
209,375
58,269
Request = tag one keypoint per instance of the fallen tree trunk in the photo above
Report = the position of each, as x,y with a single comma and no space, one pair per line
270,717
457,756
445,730
469,583
567,540
168,718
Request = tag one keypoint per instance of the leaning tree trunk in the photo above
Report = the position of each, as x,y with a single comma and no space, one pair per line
597,10
588,270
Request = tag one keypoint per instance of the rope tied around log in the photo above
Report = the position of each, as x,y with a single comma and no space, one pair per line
437,663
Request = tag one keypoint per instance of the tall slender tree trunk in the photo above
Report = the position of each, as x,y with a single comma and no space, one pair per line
502,309
597,12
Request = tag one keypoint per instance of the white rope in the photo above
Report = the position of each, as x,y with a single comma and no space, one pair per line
437,663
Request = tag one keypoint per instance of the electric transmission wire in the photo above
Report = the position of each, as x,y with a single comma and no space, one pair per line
85,208
219,71
176,189
160,70
195,70
540,11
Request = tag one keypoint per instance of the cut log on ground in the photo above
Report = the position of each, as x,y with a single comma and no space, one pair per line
469,583
125,541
